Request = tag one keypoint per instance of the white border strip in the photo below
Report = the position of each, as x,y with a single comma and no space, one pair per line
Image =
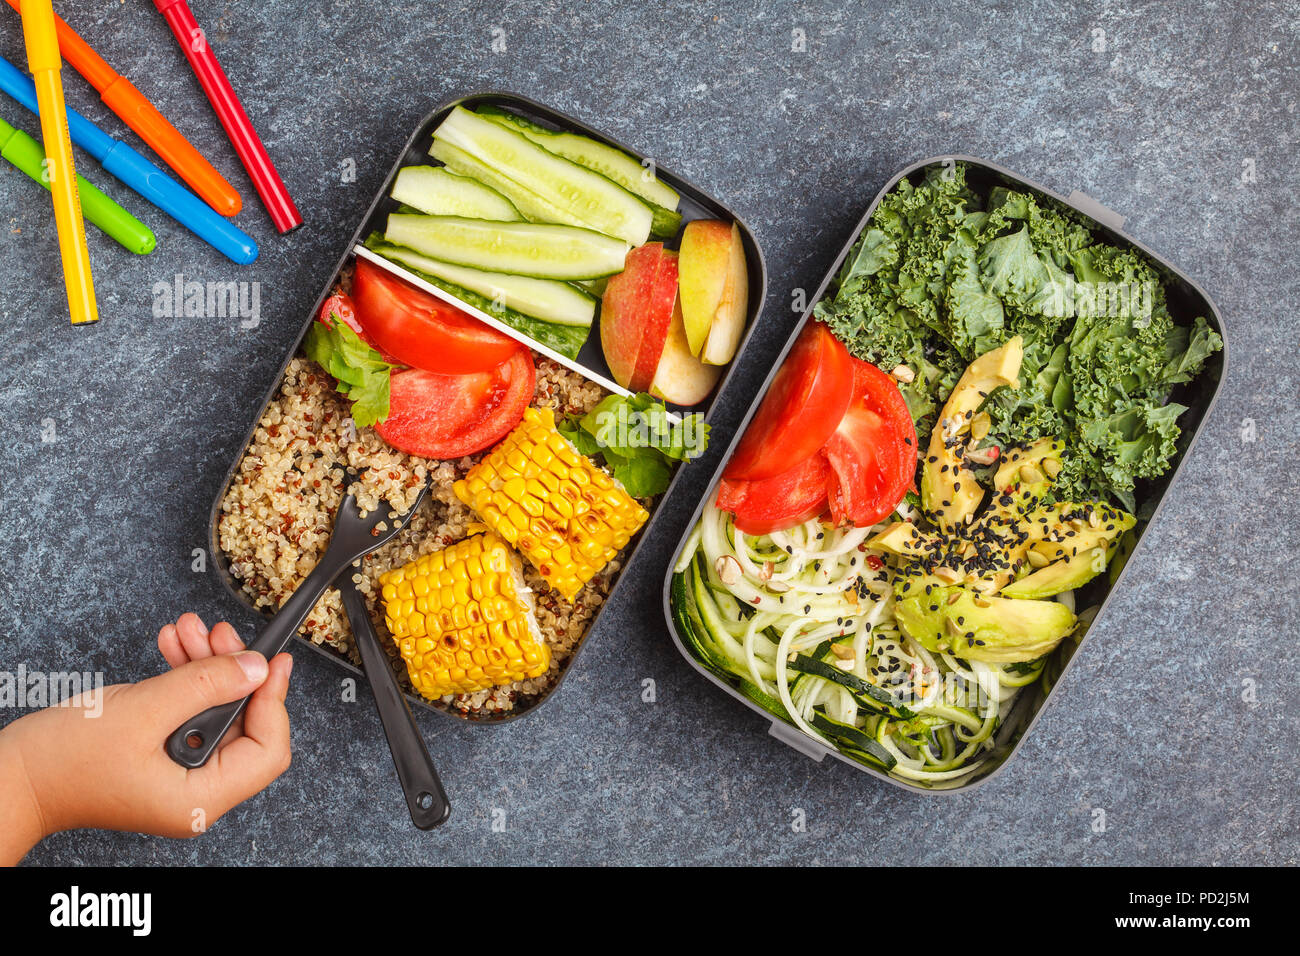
484,317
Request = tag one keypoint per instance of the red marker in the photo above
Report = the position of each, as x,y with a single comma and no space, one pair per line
238,127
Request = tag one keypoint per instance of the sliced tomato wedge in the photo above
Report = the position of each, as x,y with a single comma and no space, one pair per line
779,502
421,330
872,452
807,399
448,416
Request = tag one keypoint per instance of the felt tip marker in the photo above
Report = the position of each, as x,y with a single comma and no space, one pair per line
194,43
61,172
100,211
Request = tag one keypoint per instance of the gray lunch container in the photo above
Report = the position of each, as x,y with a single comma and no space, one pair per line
1186,300
695,204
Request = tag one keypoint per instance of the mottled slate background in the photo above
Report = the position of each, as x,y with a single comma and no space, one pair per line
1180,115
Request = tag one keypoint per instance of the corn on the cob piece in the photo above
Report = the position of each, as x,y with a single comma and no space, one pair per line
565,515
463,619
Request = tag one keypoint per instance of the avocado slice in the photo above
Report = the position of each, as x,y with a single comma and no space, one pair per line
1014,495
929,560
1037,455
996,630
904,539
1015,516
1066,575
1082,537
1078,543
949,491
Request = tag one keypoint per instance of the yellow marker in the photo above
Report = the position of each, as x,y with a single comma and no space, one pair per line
45,63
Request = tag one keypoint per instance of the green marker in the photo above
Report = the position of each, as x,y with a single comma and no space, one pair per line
115,222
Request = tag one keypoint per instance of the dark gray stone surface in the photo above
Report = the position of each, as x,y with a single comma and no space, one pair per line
1155,109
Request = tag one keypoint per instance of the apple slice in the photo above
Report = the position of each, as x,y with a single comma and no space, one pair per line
681,378
635,312
621,313
656,319
711,252
729,317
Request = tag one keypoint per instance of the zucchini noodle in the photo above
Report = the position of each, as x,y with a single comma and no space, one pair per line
780,610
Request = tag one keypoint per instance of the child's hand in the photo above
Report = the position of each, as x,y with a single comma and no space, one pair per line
110,770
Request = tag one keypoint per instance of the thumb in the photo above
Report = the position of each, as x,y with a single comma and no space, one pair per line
194,687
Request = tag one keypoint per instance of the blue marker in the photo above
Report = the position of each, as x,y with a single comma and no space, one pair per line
137,173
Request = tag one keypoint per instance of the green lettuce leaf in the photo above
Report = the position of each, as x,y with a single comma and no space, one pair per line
362,374
638,441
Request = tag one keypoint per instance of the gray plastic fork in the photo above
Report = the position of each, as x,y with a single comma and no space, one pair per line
194,742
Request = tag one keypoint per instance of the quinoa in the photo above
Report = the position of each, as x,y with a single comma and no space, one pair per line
278,513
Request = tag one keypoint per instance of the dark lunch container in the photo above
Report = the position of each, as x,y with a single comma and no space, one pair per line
695,204
1186,300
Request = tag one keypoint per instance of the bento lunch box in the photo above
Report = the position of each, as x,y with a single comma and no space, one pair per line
695,204
1185,300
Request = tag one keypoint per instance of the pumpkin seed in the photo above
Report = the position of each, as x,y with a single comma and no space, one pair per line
729,570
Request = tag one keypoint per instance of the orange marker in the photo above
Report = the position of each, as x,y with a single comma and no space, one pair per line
142,116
